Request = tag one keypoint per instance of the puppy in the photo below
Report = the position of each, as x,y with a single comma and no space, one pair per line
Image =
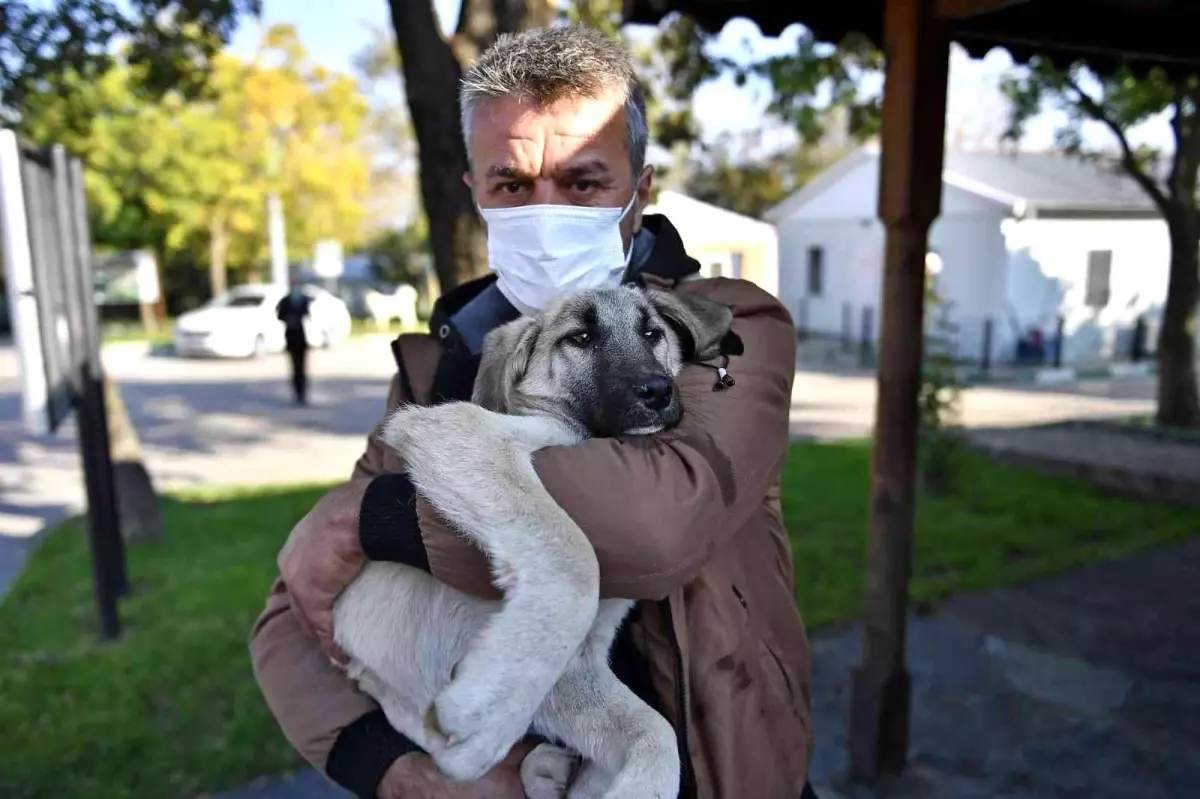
466,678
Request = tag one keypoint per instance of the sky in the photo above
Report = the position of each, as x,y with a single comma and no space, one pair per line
334,31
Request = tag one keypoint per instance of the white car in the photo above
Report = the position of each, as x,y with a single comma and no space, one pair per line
241,323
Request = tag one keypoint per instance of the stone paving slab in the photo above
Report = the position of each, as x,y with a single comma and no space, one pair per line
1144,463
1086,685
300,785
1102,446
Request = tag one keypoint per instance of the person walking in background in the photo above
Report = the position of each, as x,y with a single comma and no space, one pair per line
292,310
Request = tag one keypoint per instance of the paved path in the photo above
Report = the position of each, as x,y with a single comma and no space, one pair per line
208,422
1085,685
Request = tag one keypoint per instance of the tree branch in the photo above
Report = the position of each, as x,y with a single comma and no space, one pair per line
1128,158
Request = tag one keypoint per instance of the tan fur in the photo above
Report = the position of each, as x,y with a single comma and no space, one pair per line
466,678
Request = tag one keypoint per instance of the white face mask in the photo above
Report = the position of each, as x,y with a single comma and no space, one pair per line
541,252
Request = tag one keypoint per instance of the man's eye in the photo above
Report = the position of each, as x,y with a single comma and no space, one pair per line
585,185
511,188
580,339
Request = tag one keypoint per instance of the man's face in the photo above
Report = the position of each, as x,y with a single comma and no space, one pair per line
572,152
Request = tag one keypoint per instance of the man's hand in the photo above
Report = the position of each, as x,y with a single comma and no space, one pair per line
414,776
322,556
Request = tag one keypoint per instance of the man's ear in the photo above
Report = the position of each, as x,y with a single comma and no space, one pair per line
700,322
505,359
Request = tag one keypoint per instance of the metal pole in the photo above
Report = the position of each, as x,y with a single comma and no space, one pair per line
847,325
866,345
985,363
276,229
1058,342
79,268
278,244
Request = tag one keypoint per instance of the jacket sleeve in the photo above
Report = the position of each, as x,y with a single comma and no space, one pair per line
335,727
656,508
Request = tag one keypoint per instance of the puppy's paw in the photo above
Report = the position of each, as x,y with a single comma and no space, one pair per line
546,772
479,721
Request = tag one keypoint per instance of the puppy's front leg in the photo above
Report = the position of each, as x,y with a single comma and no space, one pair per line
475,467
629,750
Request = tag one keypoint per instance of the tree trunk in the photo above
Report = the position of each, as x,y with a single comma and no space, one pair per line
218,250
1178,393
432,68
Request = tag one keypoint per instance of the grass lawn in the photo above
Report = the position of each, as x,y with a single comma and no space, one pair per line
172,710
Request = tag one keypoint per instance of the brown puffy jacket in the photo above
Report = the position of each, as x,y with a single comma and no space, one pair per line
688,522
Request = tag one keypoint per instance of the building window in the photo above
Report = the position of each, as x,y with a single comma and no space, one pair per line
816,271
1099,273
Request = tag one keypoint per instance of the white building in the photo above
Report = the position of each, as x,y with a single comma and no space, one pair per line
725,243
1021,241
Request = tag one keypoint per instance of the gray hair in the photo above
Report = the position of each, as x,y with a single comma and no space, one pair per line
544,65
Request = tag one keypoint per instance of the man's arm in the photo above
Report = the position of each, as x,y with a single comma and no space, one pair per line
656,508
335,727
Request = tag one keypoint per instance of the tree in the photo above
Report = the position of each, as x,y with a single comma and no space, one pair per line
182,173
388,135
169,42
1120,102
432,67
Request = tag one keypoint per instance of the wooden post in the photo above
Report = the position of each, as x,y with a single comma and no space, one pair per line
910,189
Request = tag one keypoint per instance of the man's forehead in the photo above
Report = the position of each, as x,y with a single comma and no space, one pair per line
577,133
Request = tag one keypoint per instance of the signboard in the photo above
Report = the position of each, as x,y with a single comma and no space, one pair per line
38,295
128,277
48,271
327,259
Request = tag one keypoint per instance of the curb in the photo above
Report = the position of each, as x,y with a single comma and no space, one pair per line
1113,371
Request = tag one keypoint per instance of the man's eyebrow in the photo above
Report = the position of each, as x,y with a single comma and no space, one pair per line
591,166
507,171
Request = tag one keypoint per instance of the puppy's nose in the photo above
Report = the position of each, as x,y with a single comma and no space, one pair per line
654,392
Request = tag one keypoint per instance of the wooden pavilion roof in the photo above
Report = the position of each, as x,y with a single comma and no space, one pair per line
1142,33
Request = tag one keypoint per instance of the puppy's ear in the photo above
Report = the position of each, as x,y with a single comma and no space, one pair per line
506,354
700,322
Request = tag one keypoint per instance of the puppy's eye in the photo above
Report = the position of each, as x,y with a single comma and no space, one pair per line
653,334
580,339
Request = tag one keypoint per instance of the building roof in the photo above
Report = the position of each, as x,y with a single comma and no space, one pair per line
698,221
1028,183
1105,33
1048,180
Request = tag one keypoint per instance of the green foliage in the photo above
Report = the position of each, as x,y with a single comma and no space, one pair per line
189,177
1006,526
388,136
1120,101
399,256
819,77
939,399
170,44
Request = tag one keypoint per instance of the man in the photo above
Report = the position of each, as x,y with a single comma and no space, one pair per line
292,310
688,522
